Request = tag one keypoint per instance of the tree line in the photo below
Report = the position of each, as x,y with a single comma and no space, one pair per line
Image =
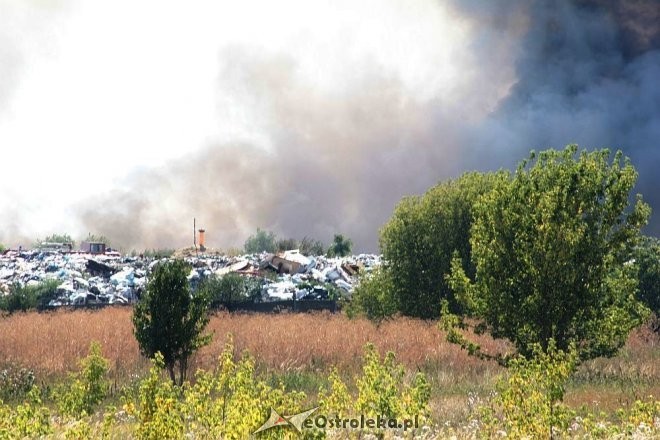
267,241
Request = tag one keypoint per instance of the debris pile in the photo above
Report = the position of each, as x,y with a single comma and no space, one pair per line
92,278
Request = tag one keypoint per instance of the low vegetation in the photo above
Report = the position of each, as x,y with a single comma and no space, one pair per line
465,396
28,297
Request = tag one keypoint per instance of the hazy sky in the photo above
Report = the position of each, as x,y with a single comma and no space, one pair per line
129,118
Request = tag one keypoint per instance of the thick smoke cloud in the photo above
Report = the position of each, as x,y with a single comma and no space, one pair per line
25,28
336,163
588,74
585,71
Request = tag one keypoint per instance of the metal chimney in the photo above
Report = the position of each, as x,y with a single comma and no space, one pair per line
201,240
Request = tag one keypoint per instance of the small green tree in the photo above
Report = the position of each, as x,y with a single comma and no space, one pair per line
169,319
88,387
261,241
552,250
340,246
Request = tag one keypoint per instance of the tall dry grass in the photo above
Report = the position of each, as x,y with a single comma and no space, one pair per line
304,346
51,343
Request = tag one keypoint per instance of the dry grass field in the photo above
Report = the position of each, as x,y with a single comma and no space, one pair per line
51,343
299,349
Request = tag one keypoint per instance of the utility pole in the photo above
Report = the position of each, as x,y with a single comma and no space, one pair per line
195,235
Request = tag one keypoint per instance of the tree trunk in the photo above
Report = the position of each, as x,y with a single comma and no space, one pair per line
183,366
170,369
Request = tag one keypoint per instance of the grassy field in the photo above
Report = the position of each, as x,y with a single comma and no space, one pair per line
299,350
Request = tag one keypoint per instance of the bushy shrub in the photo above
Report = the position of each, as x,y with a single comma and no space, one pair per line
528,401
22,298
374,296
30,419
231,288
261,241
340,247
86,388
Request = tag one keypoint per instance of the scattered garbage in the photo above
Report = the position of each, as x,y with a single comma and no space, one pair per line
89,278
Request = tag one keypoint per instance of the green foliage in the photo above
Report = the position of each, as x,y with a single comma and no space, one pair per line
647,257
158,410
229,403
373,297
88,387
528,402
286,244
382,391
420,238
551,248
336,401
30,419
3,248
266,241
340,247
231,288
153,254
94,238
309,246
452,324
261,241
169,319
334,292
378,388
57,238
23,298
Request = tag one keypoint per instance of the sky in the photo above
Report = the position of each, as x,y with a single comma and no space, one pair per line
308,118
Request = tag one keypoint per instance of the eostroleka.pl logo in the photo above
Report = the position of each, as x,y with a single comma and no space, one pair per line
302,421
295,420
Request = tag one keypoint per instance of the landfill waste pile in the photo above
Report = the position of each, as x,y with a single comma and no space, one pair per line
110,278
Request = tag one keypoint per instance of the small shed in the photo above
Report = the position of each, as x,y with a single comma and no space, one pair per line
92,247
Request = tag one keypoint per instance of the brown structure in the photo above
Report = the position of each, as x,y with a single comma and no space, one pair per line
92,247
202,246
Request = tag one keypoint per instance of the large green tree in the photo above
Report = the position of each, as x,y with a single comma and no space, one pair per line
419,240
169,319
552,250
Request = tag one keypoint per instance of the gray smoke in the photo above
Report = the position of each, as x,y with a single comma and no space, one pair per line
336,165
588,74
586,71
